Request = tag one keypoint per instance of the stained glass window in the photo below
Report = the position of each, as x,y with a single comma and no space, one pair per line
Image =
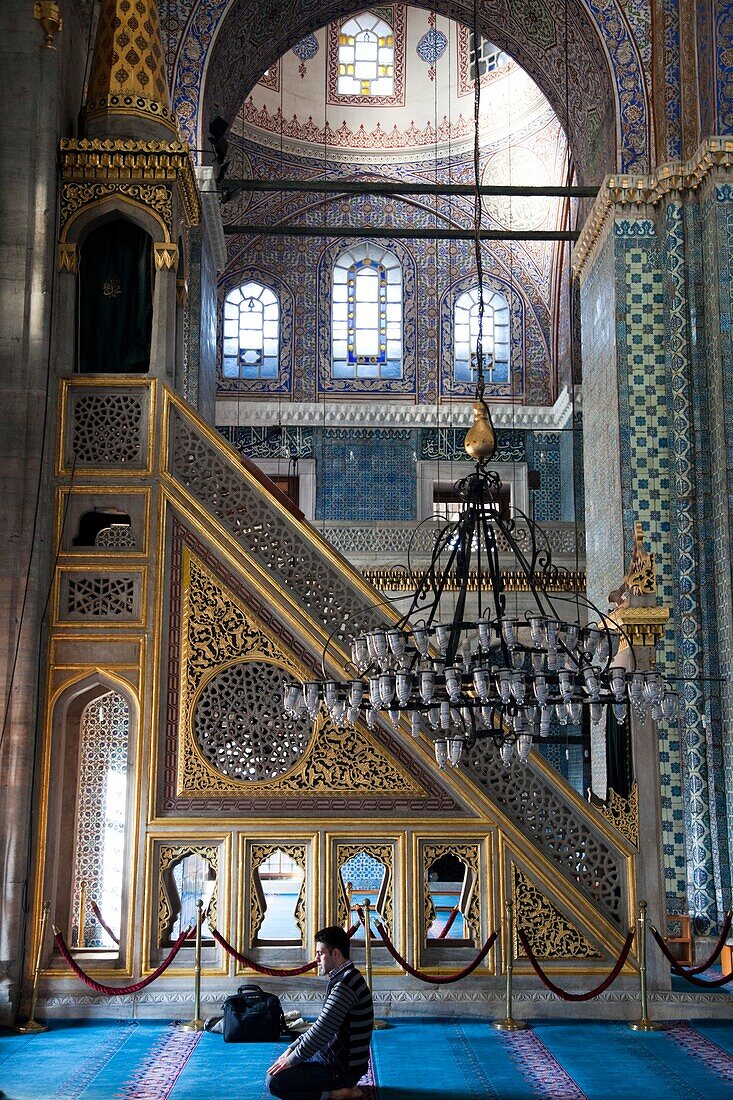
366,57
495,338
488,56
366,314
251,333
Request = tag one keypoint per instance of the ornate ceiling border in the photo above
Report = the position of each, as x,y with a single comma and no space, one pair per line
236,410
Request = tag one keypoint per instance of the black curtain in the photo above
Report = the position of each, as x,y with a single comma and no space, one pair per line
115,300
619,766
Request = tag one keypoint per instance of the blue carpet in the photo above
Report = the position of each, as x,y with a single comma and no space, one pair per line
449,1059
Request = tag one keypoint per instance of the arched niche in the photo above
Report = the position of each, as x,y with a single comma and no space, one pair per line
277,904
116,280
160,318
90,811
188,874
110,527
452,896
365,874
588,66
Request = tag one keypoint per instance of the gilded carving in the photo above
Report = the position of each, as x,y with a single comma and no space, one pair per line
623,813
469,855
165,256
550,933
397,580
258,854
68,258
125,161
218,632
169,856
155,197
641,576
384,854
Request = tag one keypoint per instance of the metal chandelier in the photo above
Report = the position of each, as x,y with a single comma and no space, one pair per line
474,670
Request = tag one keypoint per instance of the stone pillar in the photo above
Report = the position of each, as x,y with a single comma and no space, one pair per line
29,130
163,338
717,292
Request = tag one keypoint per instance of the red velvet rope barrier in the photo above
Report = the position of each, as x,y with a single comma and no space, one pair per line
103,922
718,948
609,980
269,971
683,972
449,923
118,991
435,979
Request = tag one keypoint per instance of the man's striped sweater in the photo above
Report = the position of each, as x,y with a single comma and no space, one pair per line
341,1035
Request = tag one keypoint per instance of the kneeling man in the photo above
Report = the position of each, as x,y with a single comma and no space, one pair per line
334,1053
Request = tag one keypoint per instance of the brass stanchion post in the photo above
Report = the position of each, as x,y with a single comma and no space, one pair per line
349,904
81,934
197,1024
644,1024
31,1024
509,1023
379,1025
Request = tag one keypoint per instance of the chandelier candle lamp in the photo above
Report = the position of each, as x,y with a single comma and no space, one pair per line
464,676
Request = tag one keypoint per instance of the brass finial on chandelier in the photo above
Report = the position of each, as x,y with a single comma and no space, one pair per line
480,441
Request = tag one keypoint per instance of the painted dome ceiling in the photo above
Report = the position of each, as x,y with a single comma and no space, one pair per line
396,84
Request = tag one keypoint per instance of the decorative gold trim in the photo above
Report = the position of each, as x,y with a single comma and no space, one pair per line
113,383
96,554
125,161
148,885
134,693
48,15
579,908
383,852
551,935
620,192
216,633
470,855
623,813
168,856
155,199
397,580
641,576
68,258
165,256
258,853
104,622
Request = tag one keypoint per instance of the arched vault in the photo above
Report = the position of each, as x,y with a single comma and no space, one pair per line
599,96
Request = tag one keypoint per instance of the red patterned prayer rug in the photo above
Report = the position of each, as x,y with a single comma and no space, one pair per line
713,1057
158,1072
539,1067
368,1085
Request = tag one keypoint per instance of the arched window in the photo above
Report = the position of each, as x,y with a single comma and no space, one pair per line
99,848
488,56
366,314
251,333
495,338
366,57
